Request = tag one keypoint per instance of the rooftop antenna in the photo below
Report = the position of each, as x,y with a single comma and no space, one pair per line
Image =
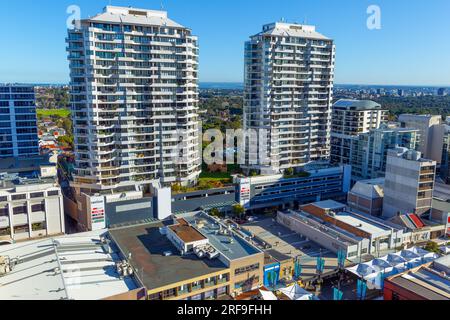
162,5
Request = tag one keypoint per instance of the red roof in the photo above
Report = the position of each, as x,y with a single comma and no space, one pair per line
417,221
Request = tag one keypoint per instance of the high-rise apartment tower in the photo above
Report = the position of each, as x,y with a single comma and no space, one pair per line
134,95
289,74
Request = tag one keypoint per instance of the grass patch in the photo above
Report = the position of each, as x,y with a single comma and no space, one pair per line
61,113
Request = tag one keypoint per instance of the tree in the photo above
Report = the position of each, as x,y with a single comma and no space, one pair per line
215,212
238,210
289,172
432,247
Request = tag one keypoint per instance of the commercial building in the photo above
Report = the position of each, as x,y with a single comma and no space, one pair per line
289,75
427,282
367,197
334,227
84,266
277,267
31,202
430,133
351,118
409,183
440,213
30,208
317,182
134,101
18,122
194,257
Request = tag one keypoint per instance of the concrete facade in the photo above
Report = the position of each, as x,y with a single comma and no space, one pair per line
409,183
430,133
30,209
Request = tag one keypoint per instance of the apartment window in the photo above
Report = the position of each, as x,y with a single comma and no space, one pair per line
247,269
19,197
20,210
37,195
38,207
3,199
4,211
53,193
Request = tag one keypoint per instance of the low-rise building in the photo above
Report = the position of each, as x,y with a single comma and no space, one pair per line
277,266
318,182
336,228
30,208
195,257
367,197
440,213
427,282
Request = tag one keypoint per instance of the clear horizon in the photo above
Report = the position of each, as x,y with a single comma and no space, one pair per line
408,50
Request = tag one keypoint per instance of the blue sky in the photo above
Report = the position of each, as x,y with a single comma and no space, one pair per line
412,47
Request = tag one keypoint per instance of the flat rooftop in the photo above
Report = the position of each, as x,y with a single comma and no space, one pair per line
186,233
148,246
329,205
63,268
366,225
230,246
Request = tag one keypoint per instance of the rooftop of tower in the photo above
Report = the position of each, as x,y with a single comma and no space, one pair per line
130,15
349,104
292,30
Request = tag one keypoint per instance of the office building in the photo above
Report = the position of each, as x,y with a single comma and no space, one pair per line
194,257
289,75
431,136
18,122
369,150
134,100
409,183
351,118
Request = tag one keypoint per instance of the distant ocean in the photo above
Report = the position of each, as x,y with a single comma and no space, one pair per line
221,85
